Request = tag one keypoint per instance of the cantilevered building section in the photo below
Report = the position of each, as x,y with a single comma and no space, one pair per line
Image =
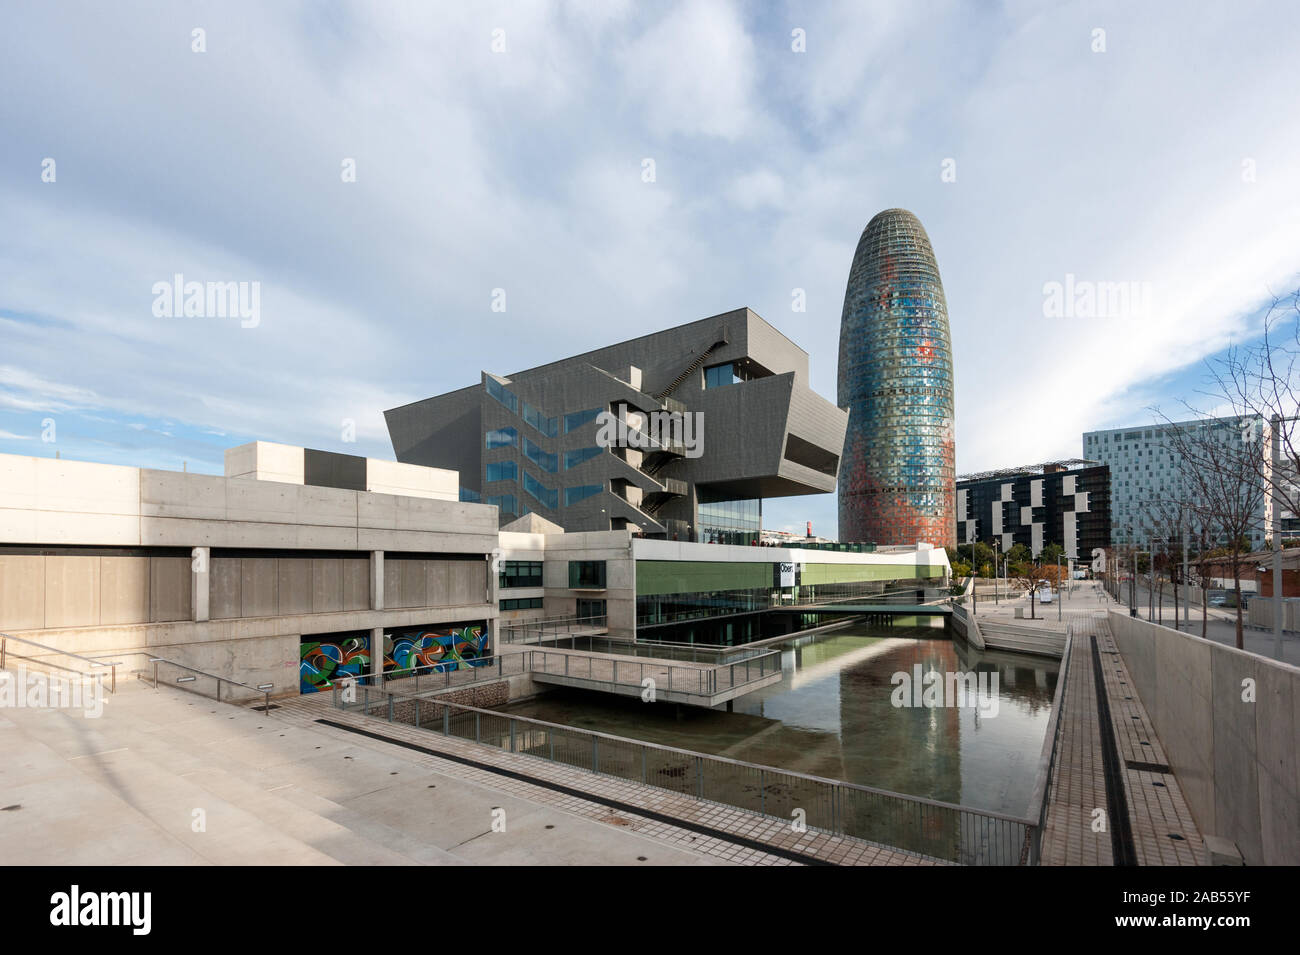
530,442
897,480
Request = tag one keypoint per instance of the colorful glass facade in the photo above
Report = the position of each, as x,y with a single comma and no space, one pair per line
897,482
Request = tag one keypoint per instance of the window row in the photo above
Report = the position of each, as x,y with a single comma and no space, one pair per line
521,603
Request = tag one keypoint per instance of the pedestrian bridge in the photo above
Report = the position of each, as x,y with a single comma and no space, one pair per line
870,609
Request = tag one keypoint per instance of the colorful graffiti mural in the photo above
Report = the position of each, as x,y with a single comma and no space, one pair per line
326,658
435,650
323,662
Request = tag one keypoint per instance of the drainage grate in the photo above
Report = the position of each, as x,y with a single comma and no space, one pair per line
1147,767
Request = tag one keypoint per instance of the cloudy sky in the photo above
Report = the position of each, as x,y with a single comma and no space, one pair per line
1156,144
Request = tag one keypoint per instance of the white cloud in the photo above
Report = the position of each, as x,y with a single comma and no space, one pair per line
693,72
523,171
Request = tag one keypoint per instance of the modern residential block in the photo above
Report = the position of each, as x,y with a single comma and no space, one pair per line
1061,502
1146,470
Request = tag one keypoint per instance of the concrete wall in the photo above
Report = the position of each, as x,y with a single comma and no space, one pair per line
1259,613
411,480
619,593
265,461
106,560
39,591
423,582
1235,759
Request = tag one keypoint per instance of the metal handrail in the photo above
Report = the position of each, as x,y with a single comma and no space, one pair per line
5,637
263,688
782,782
522,628
1042,792
704,677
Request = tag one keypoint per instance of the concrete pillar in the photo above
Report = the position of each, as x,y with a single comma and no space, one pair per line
377,652
200,594
376,580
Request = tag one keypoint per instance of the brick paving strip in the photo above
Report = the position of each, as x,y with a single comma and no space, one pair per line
1151,795
668,815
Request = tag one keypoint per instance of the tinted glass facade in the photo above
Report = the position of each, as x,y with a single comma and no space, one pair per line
897,474
729,522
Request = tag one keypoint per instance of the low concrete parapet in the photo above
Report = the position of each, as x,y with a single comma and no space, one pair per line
1228,722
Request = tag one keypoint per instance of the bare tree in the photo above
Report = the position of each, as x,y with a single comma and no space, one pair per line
1169,519
1262,381
1226,491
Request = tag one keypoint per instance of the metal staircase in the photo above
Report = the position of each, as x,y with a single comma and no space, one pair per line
700,359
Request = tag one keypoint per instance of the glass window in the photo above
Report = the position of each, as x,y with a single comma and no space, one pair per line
578,418
548,462
547,426
720,375
572,495
502,438
573,458
502,471
587,574
520,573
522,603
543,494
591,609
502,394
469,495
504,501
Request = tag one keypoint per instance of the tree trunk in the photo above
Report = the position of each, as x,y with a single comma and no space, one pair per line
1236,586
1205,607
1173,579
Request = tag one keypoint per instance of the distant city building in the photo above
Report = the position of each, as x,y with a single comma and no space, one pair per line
789,538
896,380
538,441
1146,469
1060,502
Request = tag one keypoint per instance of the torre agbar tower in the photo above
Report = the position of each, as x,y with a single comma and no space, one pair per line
897,481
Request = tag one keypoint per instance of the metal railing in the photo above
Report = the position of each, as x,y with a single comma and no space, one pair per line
909,823
40,661
193,673
692,680
533,631
1042,792
822,599
660,649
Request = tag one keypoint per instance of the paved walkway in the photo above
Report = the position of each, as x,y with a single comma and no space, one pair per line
739,836
165,777
1160,826
168,777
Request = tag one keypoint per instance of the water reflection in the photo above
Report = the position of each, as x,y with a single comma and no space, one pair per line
832,716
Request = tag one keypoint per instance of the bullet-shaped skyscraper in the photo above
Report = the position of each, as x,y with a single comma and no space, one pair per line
897,481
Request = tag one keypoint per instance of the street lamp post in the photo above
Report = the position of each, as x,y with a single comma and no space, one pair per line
1060,591
997,544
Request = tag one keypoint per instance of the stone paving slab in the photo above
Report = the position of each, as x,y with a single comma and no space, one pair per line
122,790
1162,828
771,832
